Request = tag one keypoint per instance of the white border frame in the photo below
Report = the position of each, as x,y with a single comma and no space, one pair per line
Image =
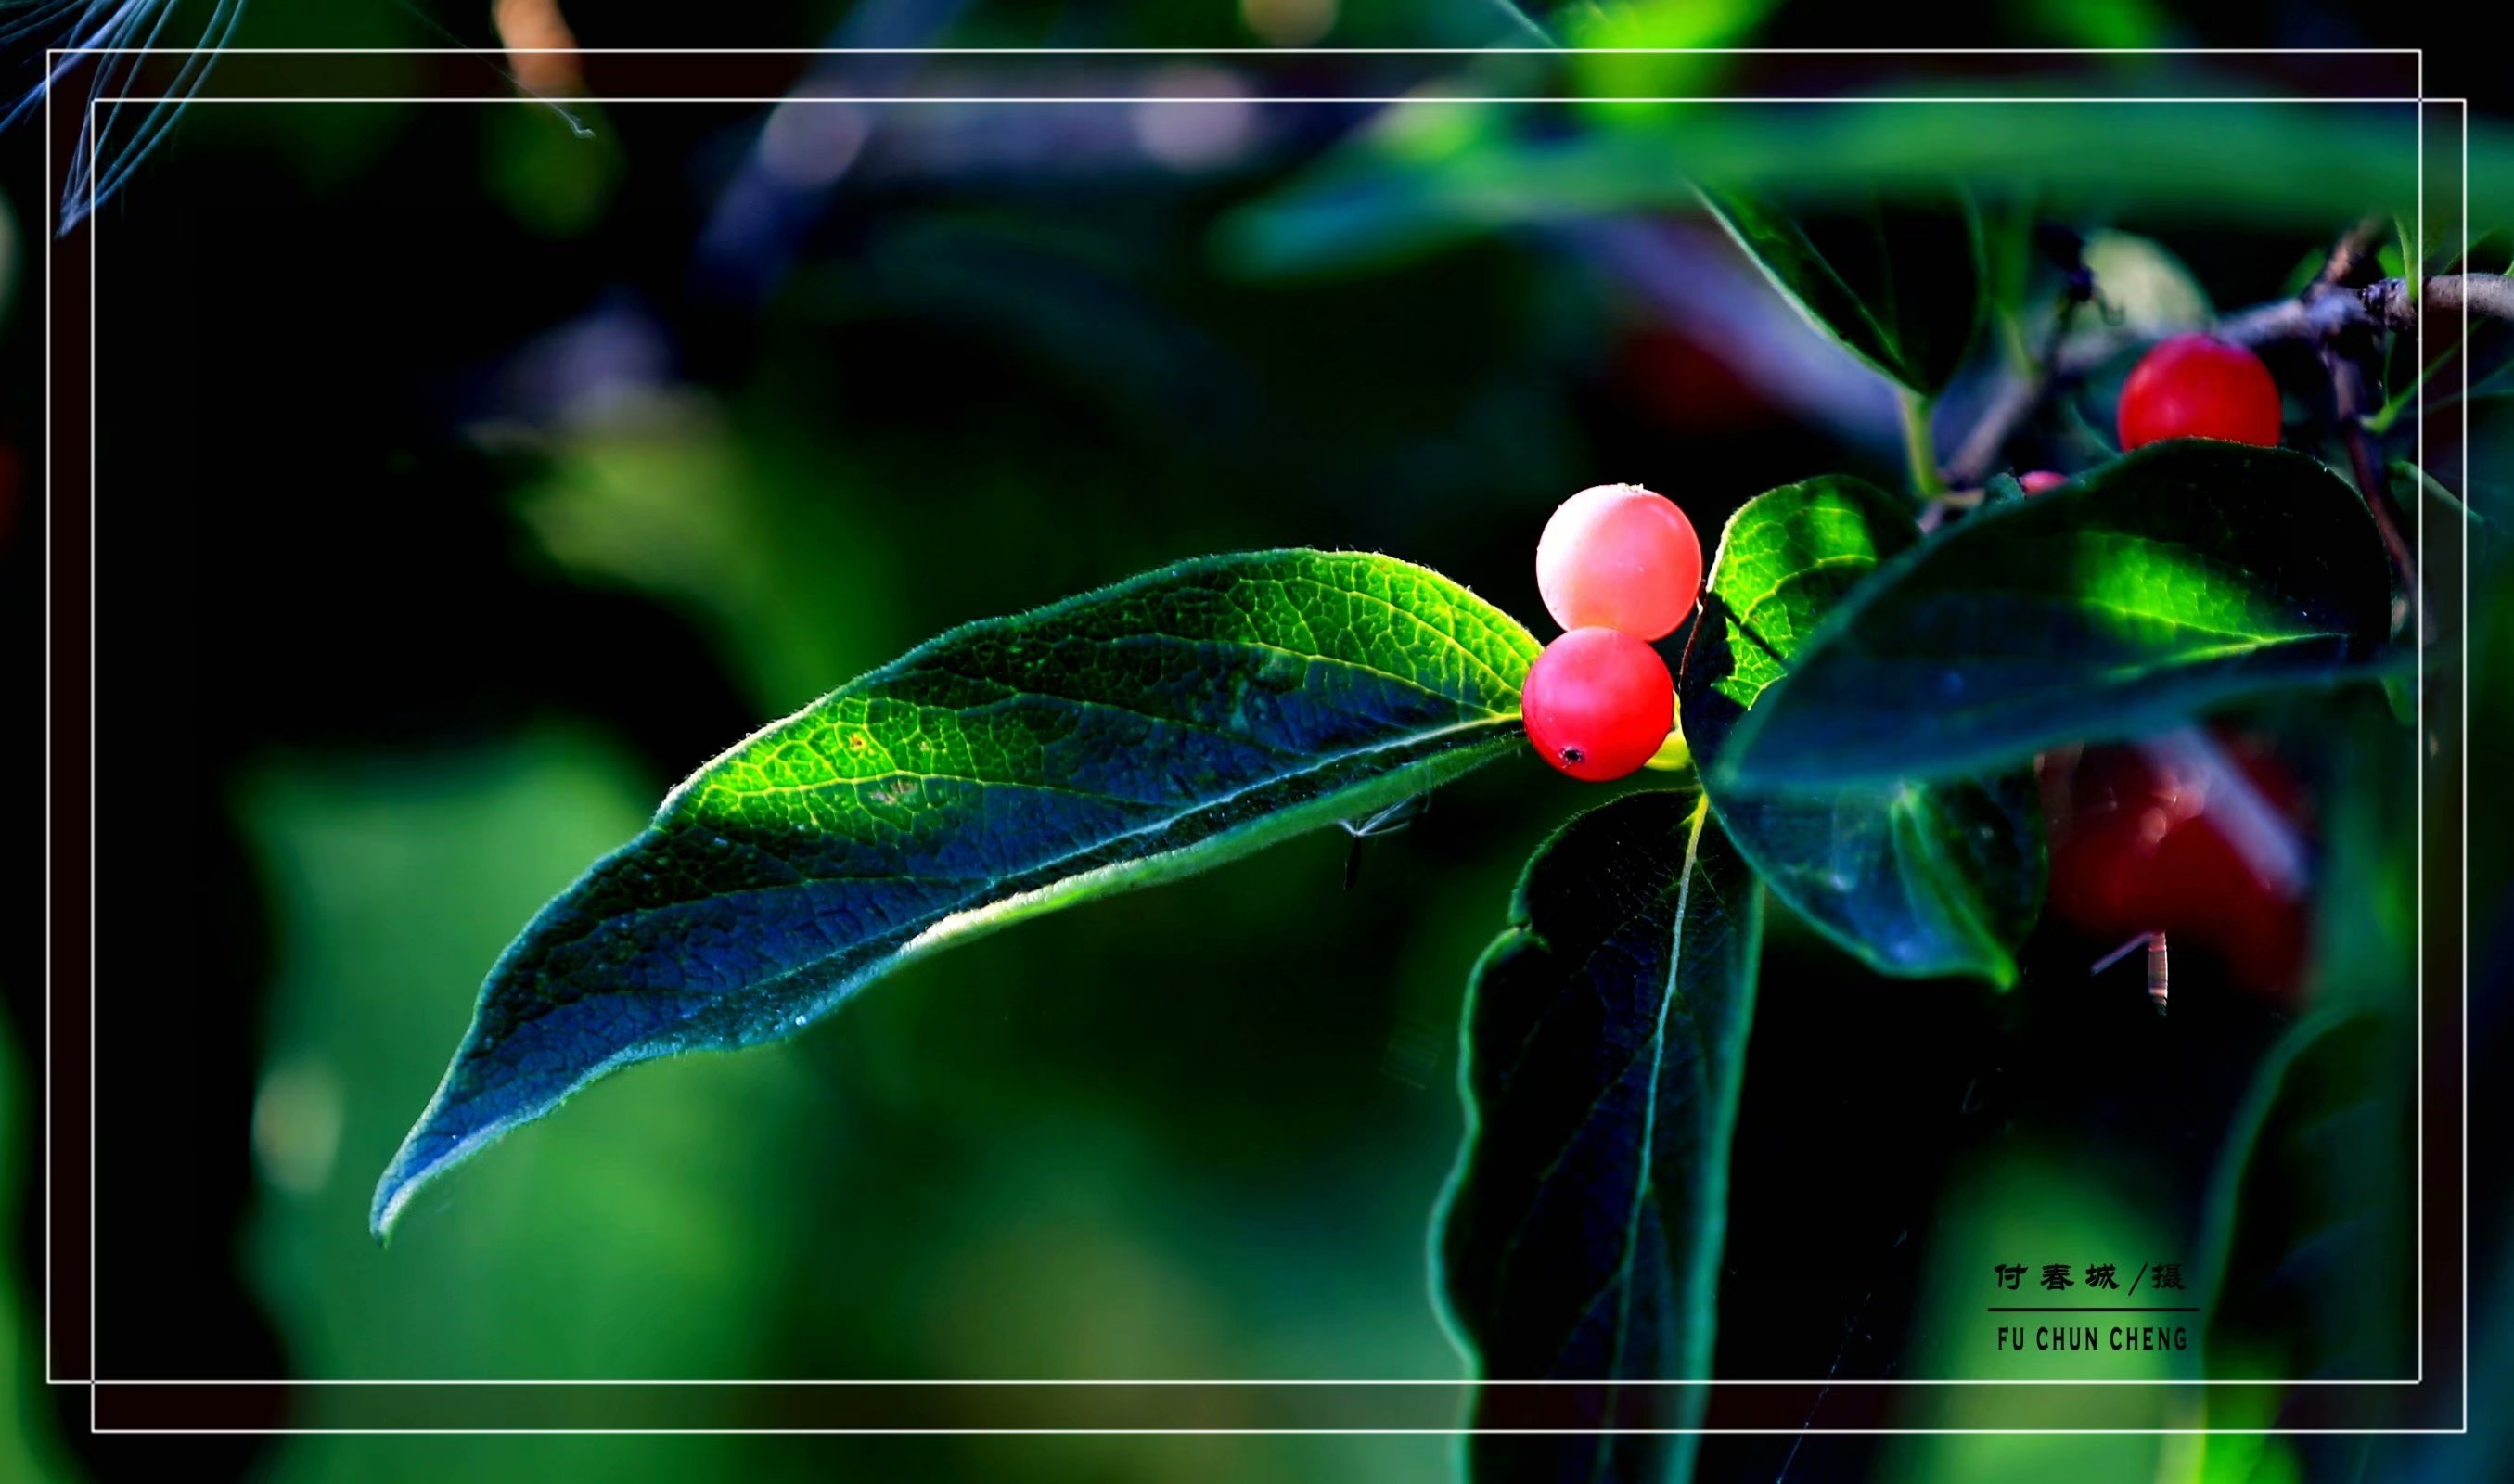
2419,103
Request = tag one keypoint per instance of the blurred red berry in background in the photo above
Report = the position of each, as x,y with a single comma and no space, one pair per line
2190,834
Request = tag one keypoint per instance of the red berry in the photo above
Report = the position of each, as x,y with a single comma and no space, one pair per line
2199,386
2040,480
2192,835
1617,556
1599,703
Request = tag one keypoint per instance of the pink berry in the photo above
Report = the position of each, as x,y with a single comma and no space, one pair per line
1617,556
2199,386
2040,480
1597,704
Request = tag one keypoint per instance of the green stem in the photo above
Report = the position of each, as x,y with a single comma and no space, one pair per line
1919,446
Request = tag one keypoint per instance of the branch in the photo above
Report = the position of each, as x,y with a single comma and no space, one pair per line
2318,315
2327,308
2392,305
2352,255
2323,311
2348,400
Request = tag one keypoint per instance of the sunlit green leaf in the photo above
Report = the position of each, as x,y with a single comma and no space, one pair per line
1115,740
2182,576
1605,1043
1915,878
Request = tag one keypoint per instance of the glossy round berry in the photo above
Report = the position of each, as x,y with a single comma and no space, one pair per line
2039,480
2199,386
1597,702
1617,556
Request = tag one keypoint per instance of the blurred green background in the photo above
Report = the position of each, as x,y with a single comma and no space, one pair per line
465,483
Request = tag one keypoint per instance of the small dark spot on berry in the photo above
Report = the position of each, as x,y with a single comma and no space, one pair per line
1574,755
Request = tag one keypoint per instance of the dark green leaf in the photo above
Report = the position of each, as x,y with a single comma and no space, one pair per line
2182,576
1897,282
2307,1239
2411,485
1114,740
1606,1040
1915,878
2268,164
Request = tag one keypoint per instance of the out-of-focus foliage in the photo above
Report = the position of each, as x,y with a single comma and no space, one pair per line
26,1448
463,393
2295,166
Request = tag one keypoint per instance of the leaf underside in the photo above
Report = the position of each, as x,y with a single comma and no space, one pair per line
2183,576
1013,766
1605,1045
1914,878
1898,283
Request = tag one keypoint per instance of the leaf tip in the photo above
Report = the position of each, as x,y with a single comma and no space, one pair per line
434,1145
401,1180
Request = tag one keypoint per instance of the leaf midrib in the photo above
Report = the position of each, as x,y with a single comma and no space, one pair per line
1646,1188
973,901
1015,693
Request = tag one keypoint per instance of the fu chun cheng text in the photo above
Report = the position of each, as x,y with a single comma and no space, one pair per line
2046,1338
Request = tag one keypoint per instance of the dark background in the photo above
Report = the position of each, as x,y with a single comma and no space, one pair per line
464,484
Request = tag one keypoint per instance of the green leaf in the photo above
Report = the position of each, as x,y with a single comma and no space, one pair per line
1122,737
2146,292
2185,575
1897,282
2307,1239
2411,484
2269,165
1604,1046
1914,878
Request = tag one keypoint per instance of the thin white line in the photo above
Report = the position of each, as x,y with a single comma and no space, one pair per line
1290,1381
2419,732
2463,604
1263,1431
95,1383
94,500
1495,51
51,508
94,103
1243,99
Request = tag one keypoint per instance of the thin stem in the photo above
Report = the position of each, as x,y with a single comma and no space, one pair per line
1920,446
2015,401
2348,399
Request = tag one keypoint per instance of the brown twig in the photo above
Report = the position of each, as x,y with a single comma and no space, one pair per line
2393,304
2015,401
2324,312
2348,405
2352,254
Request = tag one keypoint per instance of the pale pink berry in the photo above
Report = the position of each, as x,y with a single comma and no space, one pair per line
1617,556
